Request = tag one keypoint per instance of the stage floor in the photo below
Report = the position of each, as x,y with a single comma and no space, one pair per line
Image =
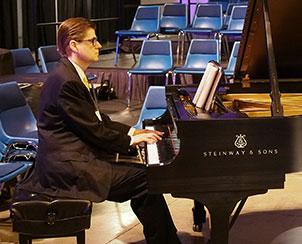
272,218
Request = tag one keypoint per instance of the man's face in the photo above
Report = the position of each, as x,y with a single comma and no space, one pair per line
88,47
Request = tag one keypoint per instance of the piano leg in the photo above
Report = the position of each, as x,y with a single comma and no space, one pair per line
199,216
220,206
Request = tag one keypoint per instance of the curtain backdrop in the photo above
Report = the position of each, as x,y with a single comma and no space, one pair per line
43,11
8,24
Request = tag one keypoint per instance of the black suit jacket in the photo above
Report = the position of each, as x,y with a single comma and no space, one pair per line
73,143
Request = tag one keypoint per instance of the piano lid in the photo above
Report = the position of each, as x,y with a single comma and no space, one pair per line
286,25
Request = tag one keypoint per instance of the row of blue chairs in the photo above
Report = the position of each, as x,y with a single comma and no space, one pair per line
24,62
155,101
156,59
208,19
225,3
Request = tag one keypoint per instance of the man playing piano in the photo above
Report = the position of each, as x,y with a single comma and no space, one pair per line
75,139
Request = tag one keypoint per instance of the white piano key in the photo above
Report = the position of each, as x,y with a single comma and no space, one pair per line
153,157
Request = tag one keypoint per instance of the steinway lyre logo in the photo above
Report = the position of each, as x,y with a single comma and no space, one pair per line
240,141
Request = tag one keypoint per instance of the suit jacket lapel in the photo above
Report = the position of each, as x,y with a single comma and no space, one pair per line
70,66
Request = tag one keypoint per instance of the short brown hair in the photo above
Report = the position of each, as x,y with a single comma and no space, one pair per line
72,29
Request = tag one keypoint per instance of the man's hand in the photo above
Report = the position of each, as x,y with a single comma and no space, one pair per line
148,136
137,132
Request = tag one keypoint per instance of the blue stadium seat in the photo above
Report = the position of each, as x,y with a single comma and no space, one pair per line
154,105
174,18
229,71
200,52
207,20
228,13
18,129
24,62
155,59
9,171
235,26
237,19
144,25
49,57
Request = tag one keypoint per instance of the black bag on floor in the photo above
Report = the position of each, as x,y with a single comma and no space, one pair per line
105,92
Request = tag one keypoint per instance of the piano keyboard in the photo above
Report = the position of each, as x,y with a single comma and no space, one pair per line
163,151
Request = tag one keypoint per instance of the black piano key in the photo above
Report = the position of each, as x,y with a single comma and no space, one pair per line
169,145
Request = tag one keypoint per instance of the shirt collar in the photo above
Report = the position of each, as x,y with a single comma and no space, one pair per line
78,69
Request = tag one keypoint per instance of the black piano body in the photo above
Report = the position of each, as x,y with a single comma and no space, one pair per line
223,159
216,148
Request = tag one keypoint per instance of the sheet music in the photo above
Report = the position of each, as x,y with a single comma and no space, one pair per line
201,84
207,87
213,90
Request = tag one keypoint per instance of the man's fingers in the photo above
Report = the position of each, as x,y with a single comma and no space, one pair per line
145,131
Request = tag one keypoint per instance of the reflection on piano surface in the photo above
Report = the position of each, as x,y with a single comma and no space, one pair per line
225,156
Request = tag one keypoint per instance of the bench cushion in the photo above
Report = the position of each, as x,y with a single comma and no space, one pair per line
41,215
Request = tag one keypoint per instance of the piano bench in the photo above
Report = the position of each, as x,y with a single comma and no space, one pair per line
37,216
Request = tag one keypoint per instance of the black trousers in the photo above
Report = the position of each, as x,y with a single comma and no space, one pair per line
130,183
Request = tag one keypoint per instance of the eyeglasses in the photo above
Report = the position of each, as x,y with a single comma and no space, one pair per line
93,41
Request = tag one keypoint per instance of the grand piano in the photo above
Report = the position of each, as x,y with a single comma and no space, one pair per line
248,143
